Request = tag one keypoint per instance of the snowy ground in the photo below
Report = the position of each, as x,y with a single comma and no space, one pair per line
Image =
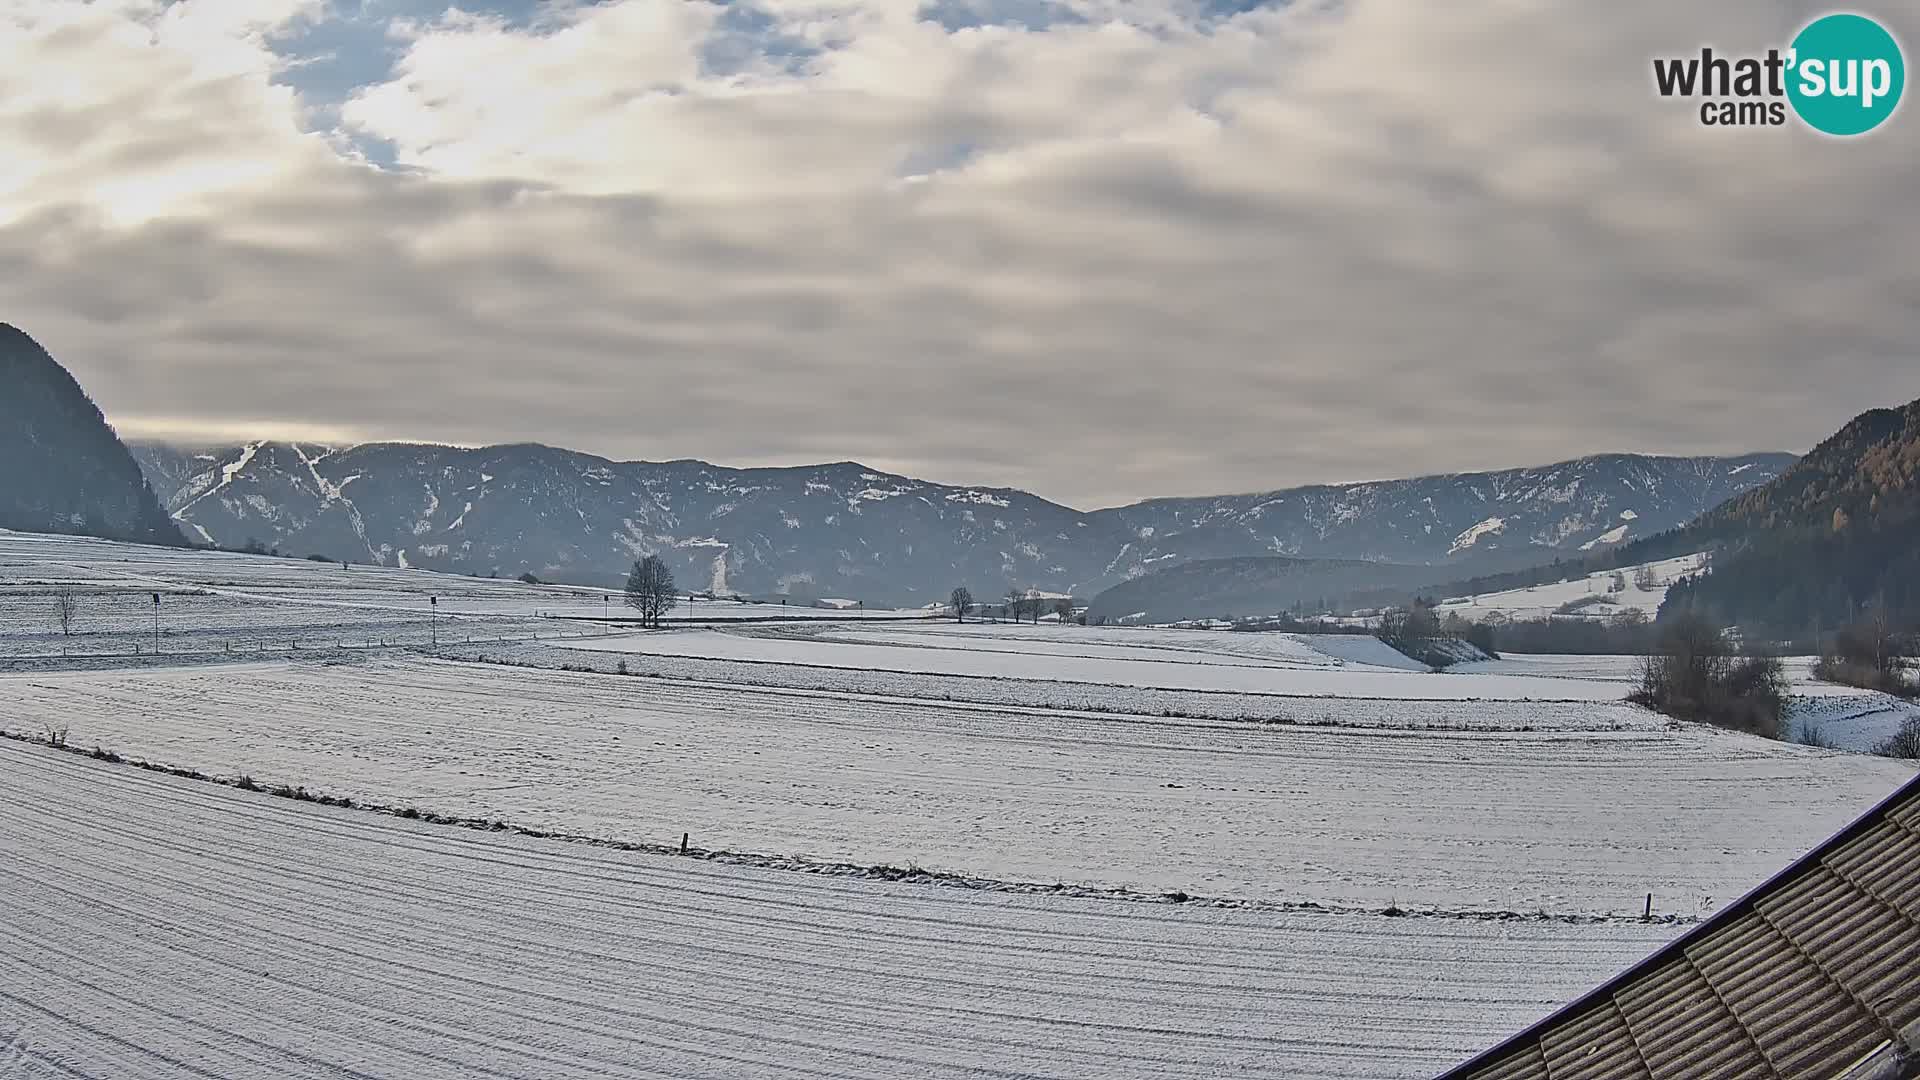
183,929
1845,717
179,928
1593,591
1275,664
1569,822
221,601
1436,712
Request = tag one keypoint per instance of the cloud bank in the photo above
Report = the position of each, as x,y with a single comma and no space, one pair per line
1100,249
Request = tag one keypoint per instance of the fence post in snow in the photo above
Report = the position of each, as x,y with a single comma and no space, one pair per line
683,843
1648,917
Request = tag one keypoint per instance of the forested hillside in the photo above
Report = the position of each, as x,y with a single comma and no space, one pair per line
62,469
1837,532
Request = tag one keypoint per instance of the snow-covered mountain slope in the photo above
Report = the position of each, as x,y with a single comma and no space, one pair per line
849,531
826,530
1601,594
1570,507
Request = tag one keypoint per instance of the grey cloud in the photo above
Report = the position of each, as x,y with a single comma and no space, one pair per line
1360,274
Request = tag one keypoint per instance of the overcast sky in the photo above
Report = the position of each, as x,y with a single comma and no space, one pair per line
1098,249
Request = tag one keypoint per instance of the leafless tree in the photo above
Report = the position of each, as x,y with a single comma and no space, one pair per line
962,601
1645,579
66,605
1032,606
650,590
1063,608
1869,653
1694,673
1904,743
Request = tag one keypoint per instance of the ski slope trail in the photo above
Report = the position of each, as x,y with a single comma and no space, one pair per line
182,929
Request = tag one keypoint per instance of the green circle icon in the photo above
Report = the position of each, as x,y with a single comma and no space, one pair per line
1847,74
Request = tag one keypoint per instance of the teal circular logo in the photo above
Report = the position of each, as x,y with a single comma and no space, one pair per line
1846,74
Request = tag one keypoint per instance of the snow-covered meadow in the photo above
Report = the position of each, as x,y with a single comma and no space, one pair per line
1642,588
1285,665
1844,717
223,601
1571,821
184,929
1519,808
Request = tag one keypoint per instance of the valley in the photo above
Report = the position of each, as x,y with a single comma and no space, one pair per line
953,849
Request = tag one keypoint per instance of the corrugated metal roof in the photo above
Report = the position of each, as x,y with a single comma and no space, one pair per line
1814,975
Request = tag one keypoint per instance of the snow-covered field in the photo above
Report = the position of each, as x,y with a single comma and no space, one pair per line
1274,664
183,929
1570,821
1845,717
178,928
1591,591
1436,712
221,601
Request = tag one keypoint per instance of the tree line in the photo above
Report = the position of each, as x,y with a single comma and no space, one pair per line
1017,606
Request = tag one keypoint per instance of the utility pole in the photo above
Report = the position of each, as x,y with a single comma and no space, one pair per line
156,623
433,622
606,615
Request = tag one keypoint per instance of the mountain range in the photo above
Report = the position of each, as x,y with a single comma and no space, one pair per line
845,530
62,469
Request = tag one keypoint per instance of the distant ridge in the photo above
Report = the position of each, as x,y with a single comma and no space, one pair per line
850,531
62,469
1793,558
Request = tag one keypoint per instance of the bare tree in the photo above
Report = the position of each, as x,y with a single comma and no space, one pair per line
66,605
1694,673
1063,608
962,601
1645,579
1869,653
1031,606
650,590
1904,743
1016,604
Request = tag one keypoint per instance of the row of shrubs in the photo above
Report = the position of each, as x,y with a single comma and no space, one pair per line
1694,673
